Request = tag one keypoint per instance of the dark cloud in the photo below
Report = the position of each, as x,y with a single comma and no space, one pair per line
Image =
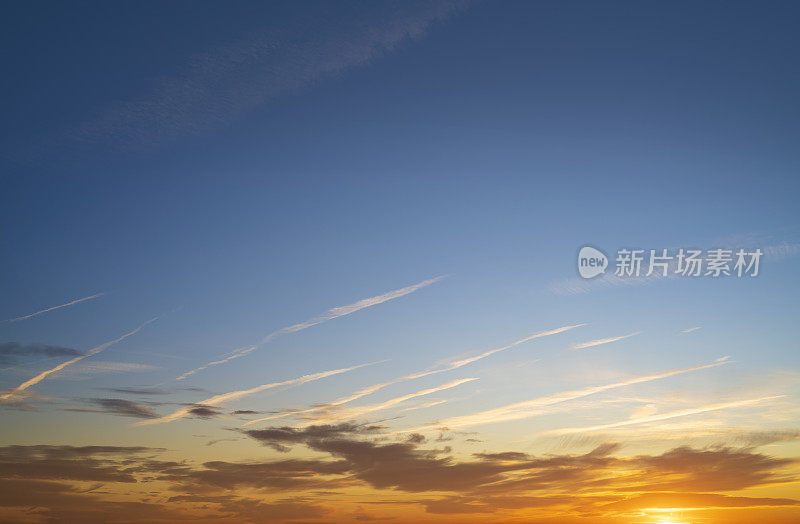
245,412
416,438
278,437
69,452
137,391
88,463
64,503
762,438
274,475
511,479
212,442
397,465
719,469
203,411
41,482
259,511
597,484
118,406
12,352
506,455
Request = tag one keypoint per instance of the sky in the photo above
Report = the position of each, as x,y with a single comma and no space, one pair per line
318,262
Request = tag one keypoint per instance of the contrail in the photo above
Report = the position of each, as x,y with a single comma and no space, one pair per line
600,341
44,374
537,406
235,354
448,366
665,416
353,413
427,405
54,307
331,314
234,395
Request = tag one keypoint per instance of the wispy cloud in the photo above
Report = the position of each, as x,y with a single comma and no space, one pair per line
439,368
71,303
227,358
690,329
235,395
601,341
44,374
541,405
669,415
427,405
331,314
228,82
357,412
341,311
470,360
84,369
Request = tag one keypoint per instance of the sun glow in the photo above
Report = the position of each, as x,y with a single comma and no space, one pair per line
670,521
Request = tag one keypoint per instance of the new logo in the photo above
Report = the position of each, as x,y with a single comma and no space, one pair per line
591,262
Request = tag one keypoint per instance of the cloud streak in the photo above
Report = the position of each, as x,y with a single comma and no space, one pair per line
72,303
601,341
441,368
541,405
354,413
331,314
235,395
228,82
44,374
670,415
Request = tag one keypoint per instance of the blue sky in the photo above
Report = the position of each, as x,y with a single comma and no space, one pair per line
238,168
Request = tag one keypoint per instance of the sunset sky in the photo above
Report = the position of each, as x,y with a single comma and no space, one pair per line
316,262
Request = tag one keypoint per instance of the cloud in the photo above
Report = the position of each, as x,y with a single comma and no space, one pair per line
84,463
10,351
696,500
470,360
425,405
600,341
402,465
357,412
98,295
691,329
278,437
203,411
97,366
672,414
236,353
235,395
44,374
599,484
118,406
228,82
137,391
538,406
438,368
331,314
407,467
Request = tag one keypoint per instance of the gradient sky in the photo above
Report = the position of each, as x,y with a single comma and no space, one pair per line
343,209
